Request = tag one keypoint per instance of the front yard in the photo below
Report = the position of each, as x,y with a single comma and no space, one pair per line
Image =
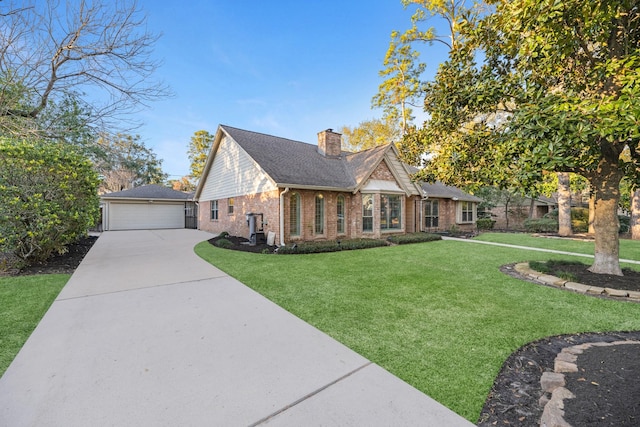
439,315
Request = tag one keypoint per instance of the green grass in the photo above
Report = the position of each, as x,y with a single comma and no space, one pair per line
24,301
629,249
439,315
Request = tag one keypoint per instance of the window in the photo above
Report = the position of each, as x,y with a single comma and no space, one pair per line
319,223
214,210
466,210
340,212
367,212
230,206
390,212
431,213
294,214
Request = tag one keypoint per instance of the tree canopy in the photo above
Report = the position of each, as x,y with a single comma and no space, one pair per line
539,86
89,56
199,147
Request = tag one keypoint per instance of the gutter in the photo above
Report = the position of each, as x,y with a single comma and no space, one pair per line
286,190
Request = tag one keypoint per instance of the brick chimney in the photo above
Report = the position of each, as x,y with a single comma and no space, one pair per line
329,143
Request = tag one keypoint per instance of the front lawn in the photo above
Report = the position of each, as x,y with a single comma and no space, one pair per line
439,315
24,301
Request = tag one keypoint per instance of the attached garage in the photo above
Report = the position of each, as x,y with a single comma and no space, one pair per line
145,208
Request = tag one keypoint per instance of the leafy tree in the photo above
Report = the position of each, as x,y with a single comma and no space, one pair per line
199,148
403,87
52,54
556,90
370,133
48,198
125,162
182,184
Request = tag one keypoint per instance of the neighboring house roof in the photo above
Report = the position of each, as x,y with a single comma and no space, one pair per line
442,191
149,192
298,164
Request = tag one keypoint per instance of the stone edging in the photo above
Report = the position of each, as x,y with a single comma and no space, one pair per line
553,383
524,269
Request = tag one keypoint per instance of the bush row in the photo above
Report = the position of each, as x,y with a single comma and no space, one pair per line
330,246
414,238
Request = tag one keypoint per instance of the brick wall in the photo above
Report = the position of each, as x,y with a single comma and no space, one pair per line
236,223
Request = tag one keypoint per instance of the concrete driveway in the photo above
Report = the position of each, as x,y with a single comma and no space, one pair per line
145,333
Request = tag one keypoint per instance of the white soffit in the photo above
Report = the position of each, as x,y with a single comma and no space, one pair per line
377,185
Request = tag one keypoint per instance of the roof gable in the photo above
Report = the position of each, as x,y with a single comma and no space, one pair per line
289,163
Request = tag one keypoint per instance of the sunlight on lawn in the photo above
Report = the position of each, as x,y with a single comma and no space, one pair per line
439,315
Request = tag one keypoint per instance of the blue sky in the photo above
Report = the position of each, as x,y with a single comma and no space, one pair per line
279,67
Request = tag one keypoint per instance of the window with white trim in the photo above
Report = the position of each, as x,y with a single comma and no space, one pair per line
367,212
466,212
390,212
340,214
230,206
214,210
319,222
294,214
431,214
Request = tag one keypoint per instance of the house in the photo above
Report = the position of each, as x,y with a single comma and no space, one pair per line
147,207
258,183
512,213
448,207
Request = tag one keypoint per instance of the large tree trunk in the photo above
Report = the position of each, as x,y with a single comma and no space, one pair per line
635,215
592,212
564,204
605,183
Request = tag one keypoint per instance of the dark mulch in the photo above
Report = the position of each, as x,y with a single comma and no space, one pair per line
242,244
62,264
630,281
514,397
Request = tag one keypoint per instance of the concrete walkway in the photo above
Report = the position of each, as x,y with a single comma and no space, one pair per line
145,333
553,251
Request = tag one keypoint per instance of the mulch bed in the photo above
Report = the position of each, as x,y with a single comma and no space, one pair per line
630,281
242,244
62,264
514,397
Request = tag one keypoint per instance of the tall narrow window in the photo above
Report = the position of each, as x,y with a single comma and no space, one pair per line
467,212
431,214
230,206
367,212
294,214
390,212
319,226
214,210
340,212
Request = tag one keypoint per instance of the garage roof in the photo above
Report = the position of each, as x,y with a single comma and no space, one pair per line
149,192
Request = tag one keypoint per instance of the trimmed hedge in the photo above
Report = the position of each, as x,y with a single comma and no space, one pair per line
485,223
543,225
330,246
402,239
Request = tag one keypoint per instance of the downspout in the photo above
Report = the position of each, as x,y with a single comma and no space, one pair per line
286,190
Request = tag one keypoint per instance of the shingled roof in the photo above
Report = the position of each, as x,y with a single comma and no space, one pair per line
442,191
151,191
290,162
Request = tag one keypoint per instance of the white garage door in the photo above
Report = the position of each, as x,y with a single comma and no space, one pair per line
144,216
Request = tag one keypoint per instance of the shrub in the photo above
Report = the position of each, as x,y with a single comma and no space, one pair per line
223,234
543,225
223,243
580,220
330,246
485,223
625,224
414,238
48,198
